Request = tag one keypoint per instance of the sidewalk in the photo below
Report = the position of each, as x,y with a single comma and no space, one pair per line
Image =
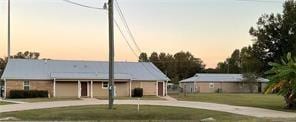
169,98
11,101
249,111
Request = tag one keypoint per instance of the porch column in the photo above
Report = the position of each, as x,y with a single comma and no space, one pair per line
156,88
163,88
166,88
4,94
91,89
54,87
79,89
130,88
88,94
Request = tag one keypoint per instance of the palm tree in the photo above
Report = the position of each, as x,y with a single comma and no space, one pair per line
282,78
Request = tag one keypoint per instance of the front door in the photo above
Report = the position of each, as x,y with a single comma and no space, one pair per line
84,89
160,88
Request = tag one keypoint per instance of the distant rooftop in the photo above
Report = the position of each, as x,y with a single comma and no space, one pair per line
214,77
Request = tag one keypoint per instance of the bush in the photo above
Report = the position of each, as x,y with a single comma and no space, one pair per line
219,90
28,94
137,92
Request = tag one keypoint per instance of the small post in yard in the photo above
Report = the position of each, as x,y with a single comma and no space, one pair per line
111,53
138,104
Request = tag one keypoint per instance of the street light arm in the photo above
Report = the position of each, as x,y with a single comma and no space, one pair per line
85,6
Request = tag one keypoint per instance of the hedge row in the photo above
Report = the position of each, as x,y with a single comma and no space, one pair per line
28,94
137,92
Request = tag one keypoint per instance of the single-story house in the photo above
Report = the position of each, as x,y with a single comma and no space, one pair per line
228,83
65,78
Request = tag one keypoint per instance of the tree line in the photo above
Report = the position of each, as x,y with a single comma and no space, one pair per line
177,66
273,37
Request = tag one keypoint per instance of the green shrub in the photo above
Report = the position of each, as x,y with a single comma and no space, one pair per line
17,94
28,94
137,92
219,90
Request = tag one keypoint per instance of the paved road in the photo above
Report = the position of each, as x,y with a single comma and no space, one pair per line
249,111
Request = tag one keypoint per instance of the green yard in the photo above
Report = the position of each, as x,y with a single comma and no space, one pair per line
253,100
124,112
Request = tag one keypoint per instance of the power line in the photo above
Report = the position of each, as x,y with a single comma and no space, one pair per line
125,39
119,10
81,5
121,31
133,51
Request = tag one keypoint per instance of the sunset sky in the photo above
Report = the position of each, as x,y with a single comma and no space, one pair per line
209,29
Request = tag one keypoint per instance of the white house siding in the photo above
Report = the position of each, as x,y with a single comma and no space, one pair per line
227,87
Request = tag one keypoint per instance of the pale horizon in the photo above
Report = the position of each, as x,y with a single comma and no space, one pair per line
209,29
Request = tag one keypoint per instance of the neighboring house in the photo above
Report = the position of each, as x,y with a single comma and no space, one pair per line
62,78
228,83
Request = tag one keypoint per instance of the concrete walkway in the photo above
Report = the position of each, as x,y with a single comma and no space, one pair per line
249,111
12,101
169,98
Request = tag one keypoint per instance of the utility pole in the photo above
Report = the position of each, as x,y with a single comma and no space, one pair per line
111,53
8,36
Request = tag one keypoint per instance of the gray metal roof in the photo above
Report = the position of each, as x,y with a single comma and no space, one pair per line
205,77
66,69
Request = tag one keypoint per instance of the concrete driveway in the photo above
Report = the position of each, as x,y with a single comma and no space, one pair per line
249,111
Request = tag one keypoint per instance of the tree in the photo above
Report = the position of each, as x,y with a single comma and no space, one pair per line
154,58
211,70
222,67
26,55
234,62
230,65
143,57
250,79
178,66
2,65
187,65
275,35
249,63
282,78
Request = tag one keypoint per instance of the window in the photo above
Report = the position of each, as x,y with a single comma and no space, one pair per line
26,85
105,85
211,85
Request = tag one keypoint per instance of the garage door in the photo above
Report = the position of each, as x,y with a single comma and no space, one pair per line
66,89
122,89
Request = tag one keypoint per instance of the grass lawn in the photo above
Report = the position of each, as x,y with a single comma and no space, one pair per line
132,98
125,112
43,99
253,100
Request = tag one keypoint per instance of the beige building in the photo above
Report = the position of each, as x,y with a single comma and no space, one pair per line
226,83
63,78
